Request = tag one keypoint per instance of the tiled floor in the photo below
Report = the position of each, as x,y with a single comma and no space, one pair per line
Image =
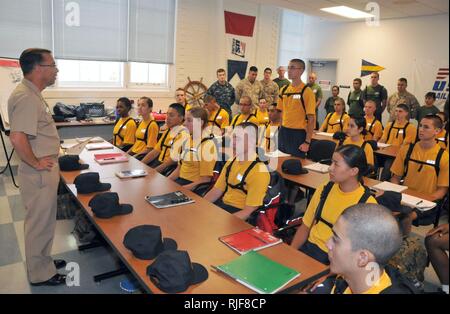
13,278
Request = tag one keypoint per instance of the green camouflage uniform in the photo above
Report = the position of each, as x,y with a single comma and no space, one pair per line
255,91
270,91
406,98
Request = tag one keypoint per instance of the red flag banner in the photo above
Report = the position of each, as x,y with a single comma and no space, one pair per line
9,63
239,24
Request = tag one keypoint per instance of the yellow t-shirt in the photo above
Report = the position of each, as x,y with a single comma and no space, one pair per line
262,117
143,143
241,118
256,184
442,139
290,103
219,118
374,129
271,137
382,284
171,142
198,160
397,136
420,177
336,202
335,123
125,135
367,148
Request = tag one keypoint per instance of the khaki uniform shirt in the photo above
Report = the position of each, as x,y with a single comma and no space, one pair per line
255,91
29,113
271,91
408,99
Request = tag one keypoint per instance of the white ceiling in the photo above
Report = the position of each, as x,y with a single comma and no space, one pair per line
389,9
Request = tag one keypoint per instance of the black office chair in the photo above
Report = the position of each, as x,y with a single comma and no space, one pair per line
8,156
322,151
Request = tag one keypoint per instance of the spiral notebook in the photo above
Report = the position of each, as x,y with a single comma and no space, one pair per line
258,273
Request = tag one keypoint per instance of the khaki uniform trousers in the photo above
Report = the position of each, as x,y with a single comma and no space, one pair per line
39,195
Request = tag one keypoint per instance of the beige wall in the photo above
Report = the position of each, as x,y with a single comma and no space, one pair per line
200,50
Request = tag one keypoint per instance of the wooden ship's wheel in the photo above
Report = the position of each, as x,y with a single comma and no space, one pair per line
195,90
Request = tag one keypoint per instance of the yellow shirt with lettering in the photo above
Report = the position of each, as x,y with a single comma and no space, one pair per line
374,129
336,202
171,143
256,184
241,118
335,123
219,118
420,177
125,135
262,117
367,148
142,143
198,160
290,103
398,136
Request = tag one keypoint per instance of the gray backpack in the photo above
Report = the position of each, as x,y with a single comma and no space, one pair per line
84,231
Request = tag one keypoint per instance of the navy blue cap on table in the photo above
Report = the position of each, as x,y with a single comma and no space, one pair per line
293,166
173,272
71,163
146,242
107,205
89,183
392,200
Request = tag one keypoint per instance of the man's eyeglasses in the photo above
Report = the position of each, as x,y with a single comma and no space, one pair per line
48,65
245,105
294,68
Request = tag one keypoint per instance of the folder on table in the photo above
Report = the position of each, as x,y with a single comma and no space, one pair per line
258,272
249,240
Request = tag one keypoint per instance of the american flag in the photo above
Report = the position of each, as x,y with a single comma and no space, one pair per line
442,74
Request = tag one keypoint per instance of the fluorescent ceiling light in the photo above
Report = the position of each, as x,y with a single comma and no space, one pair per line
348,12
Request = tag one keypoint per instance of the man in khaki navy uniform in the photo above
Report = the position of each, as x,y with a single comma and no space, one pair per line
36,141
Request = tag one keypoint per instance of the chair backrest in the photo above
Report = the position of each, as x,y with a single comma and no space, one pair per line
321,150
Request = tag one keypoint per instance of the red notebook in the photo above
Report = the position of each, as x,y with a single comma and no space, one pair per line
110,158
249,240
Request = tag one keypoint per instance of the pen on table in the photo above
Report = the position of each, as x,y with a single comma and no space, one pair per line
420,202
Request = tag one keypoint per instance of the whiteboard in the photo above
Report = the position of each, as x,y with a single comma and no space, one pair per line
10,76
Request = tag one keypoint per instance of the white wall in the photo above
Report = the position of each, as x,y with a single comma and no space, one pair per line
200,50
396,45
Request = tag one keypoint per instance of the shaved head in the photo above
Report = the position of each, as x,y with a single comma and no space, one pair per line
372,227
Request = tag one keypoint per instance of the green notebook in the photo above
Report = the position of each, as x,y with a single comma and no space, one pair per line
258,272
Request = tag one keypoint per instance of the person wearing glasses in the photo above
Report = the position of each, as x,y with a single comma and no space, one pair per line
36,141
377,93
246,108
298,105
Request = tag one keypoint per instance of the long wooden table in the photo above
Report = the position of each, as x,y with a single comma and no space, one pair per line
196,228
389,152
312,180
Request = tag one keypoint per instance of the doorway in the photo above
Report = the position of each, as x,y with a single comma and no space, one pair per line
326,71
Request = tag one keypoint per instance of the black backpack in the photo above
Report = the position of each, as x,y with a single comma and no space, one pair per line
267,217
146,132
323,197
237,118
341,124
408,158
283,93
398,133
120,130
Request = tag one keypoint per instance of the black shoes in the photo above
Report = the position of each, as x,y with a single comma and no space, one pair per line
56,280
59,263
